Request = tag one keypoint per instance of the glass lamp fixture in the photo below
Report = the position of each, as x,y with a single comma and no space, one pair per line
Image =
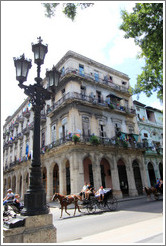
22,68
53,77
39,51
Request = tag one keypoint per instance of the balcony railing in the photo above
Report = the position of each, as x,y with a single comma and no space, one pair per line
26,130
97,79
26,113
91,99
43,118
20,135
86,139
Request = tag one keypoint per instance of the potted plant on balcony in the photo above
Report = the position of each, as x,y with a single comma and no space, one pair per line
111,106
76,138
94,140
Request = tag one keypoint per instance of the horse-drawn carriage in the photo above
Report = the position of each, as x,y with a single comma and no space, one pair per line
157,193
90,205
109,203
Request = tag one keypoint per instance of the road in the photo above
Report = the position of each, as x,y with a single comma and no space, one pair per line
71,228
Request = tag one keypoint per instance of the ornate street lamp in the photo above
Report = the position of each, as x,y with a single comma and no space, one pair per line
35,198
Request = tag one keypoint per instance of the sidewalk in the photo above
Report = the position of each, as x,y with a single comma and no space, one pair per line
127,234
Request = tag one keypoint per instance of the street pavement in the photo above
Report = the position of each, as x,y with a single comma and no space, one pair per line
149,231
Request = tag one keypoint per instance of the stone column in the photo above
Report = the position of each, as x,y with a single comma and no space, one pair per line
96,171
62,178
76,173
23,184
156,170
49,193
115,179
17,182
131,181
144,173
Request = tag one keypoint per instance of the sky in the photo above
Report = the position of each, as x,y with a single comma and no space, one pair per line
94,33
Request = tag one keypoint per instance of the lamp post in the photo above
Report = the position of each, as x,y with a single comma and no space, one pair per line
35,198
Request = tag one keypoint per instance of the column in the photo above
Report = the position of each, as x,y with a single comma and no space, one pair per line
131,181
96,171
49,192
115,179
144,173
23,184
62,178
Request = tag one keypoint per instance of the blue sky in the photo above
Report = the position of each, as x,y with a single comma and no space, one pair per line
95,33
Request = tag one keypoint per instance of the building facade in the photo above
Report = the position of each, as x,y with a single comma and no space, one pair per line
91,105
150,123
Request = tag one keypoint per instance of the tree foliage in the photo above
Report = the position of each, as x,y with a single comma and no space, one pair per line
69,9
145,25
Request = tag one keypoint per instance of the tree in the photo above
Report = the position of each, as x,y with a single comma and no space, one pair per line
69,9
145,25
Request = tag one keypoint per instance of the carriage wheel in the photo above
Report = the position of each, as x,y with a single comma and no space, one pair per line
112,204
91,207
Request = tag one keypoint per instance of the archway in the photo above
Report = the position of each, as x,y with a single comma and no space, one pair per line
68,187
88,172
105,173
137,177
161,170
45,179
56,179
123,177
151,172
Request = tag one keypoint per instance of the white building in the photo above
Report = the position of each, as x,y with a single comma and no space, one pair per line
90,99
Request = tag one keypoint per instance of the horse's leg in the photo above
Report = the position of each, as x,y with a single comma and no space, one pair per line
61,210
66,209
78,207
75,209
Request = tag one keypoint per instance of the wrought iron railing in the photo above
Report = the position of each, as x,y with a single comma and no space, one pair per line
90,99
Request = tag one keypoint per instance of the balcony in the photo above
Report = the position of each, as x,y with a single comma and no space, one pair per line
5,145
26,113
20,136
26,131
10,143
43,118
93,101
71,72
21,118
87,139
31,125
16,124
15,140
11,128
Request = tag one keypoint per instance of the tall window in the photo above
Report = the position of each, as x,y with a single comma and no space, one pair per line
53,133
96,74
81,70
85,126
43,139
98,96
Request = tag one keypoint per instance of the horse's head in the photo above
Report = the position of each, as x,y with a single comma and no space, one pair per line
55,196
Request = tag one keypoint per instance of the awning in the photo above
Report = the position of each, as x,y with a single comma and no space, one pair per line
114,96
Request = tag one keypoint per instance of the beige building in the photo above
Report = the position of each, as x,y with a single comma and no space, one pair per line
90,101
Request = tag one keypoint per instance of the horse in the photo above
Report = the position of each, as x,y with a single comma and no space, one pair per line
66,200
151,190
